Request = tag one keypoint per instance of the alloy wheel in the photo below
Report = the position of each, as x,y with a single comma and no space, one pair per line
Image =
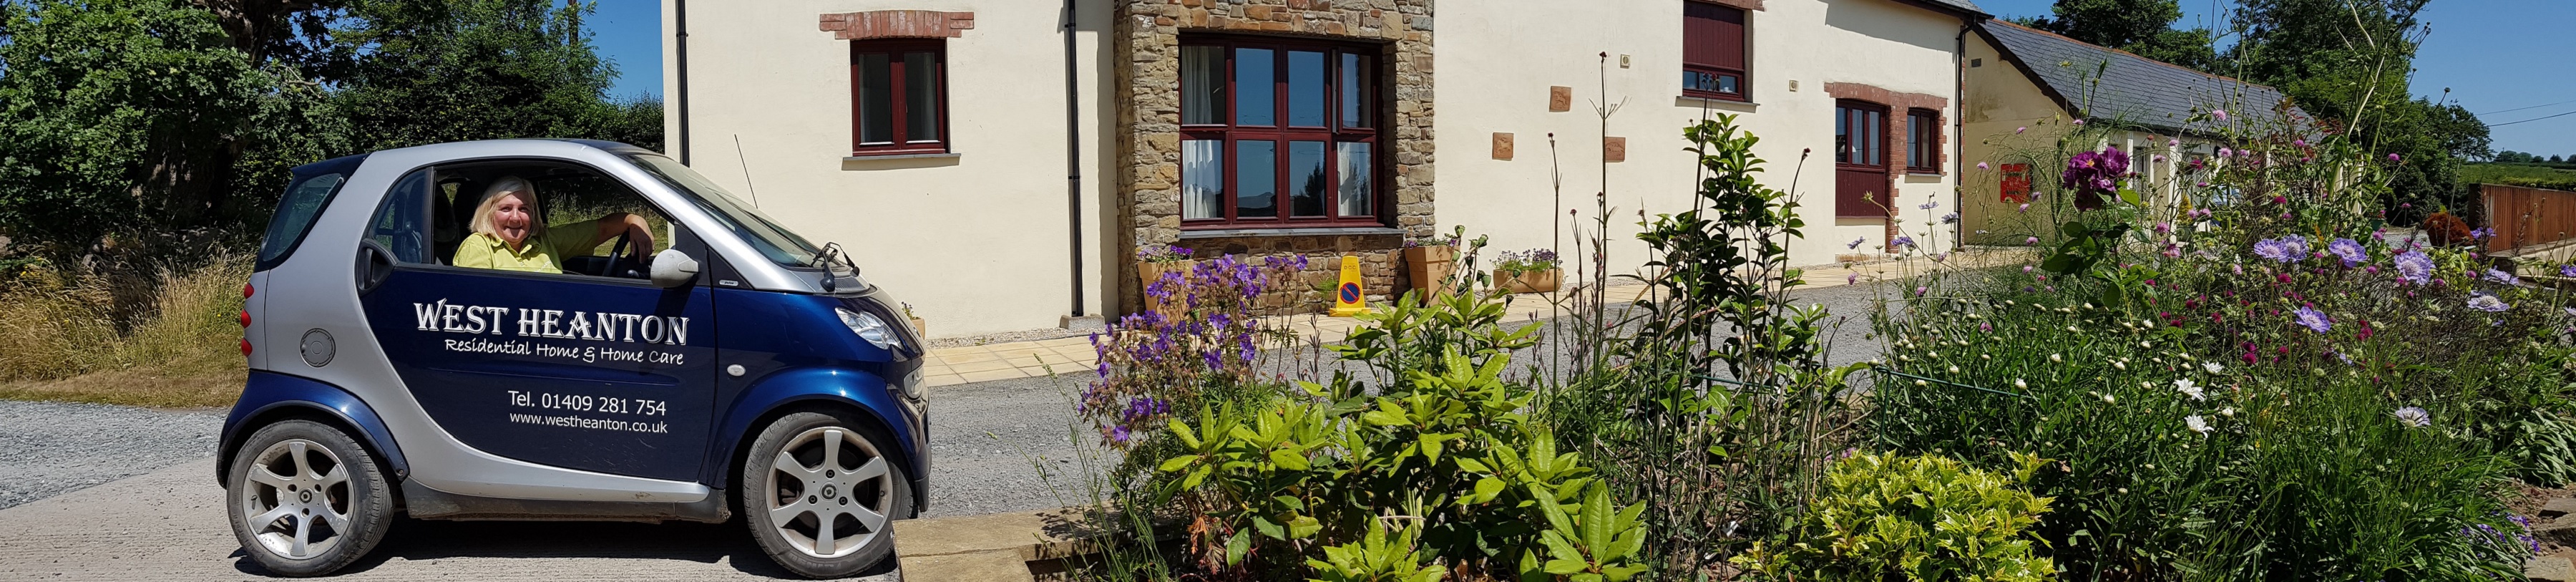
298,499
830,492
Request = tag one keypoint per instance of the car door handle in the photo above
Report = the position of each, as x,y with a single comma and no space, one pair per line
374,265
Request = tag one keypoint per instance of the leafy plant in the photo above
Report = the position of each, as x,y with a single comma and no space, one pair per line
1374,558
1593,544
1529,261
1918,518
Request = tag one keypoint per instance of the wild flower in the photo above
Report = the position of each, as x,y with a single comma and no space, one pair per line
2567,271
2286,249
2196,424
1855,243
2030,241
2349,250
2488,303
2224,152
1981,165
2188,387
2096,172
2394,158
1929,205
2314,320
1951,218
2481,233
2414,417
2415,266
1902,241
2500,276
1162,254
2218,114
2025,207
2213,367
2018,130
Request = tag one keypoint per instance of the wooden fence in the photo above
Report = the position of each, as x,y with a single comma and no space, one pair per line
2524,217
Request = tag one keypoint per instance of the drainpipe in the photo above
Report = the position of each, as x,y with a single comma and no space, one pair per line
680,18
1073,158
1958,142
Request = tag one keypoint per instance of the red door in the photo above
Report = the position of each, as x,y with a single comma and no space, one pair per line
1860,160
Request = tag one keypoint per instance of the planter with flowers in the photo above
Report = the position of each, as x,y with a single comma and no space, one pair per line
1164,271
919,328
1429,261
1531,271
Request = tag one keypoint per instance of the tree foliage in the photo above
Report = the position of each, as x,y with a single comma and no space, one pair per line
2141,27
159,122
2343,60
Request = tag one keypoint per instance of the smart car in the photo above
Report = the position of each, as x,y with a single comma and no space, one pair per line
727,367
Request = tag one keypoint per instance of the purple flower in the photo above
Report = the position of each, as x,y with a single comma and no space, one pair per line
2394,158
2567,271
2500,276
2488,303
2218,114
2482,232
2349,250
2415,266
2416,417
1981,165
2314,320
2287,249
1950,218
2224,152
1855,243
1902,241
1930,205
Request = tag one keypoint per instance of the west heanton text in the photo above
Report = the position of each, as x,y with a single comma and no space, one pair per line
552,323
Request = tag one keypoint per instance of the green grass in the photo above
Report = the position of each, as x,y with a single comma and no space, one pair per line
2559,177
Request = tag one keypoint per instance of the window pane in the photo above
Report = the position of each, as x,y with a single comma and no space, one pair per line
1842,136
1726,84
876,99
1202,84
1256,179
1355,97
1306,90
1202,178
1914,141
1306,177
1255,88
1358,182
920,97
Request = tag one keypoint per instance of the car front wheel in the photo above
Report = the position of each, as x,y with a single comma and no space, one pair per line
305,499
821,492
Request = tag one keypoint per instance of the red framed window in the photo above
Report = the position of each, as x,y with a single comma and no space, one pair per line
1923,141
898,97
1716,57
1278,133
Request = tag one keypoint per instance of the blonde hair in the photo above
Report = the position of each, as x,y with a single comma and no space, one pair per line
492,199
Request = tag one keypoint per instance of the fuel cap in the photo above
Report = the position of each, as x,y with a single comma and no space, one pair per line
318,347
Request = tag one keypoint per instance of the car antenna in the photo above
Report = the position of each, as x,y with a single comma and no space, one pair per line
746,173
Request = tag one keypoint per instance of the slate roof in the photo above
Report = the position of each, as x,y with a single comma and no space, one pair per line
2131,88
1971,7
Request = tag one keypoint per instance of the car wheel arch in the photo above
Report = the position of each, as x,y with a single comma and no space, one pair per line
829,404
389,461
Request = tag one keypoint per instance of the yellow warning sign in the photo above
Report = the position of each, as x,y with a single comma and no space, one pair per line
1347,299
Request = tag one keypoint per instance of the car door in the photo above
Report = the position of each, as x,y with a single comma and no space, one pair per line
612,375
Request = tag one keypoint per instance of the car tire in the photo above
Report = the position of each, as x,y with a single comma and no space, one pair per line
305,499
808,470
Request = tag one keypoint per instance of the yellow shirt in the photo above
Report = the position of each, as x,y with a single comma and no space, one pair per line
541,254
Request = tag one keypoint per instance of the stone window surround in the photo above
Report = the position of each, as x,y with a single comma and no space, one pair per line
1896,102
1146,42
875,24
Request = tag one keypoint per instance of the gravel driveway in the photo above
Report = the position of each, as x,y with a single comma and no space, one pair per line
51,448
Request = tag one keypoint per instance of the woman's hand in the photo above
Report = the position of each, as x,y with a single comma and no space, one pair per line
636,229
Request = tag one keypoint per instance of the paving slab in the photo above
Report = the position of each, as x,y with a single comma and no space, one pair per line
2549,569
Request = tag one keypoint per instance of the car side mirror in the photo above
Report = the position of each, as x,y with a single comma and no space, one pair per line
673,268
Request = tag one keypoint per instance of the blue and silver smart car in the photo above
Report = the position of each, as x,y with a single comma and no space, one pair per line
557,329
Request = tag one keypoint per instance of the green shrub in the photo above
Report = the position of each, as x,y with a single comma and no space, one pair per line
1921,518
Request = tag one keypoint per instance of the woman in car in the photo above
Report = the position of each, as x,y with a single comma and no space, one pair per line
507,235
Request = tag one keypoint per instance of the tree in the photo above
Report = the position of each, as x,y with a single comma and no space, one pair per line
2556,160
2347,62
430,71
2141,27
129,117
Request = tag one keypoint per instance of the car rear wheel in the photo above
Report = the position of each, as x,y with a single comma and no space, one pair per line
305,499
821,493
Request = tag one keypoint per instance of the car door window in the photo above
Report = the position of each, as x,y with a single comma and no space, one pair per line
430,215
401,224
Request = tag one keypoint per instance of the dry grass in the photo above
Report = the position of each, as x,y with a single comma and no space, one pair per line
169,339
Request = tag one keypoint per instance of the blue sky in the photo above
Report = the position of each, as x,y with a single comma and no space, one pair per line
2496,56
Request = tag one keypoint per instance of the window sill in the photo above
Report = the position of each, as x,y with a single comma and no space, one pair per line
1312,231
1716,103
920,156
1910,174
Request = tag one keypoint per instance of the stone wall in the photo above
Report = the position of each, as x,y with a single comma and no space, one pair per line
1381,266
1147,43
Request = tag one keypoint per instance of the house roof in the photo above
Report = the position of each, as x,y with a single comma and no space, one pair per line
1966,5
2127,88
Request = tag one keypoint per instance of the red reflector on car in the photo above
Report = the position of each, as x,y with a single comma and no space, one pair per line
246,289
245,346
245,320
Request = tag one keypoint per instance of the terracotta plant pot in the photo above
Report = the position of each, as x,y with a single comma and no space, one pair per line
921,327
1527,281
1429,266
1149,273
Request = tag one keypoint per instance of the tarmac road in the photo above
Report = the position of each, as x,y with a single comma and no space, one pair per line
166,521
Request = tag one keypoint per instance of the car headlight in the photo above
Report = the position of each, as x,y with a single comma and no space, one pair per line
870,328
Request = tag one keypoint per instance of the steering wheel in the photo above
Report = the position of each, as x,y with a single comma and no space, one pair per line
619,255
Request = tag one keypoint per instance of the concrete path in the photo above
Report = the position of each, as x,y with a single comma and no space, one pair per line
169,525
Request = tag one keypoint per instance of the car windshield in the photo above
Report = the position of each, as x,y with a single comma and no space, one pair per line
779,244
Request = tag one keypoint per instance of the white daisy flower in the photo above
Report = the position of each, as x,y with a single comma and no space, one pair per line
2196,423
2188,387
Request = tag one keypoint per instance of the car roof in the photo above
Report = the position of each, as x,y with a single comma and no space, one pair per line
478,148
